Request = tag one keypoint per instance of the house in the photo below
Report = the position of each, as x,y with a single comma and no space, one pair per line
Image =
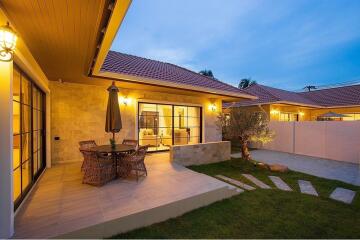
53,93
338,103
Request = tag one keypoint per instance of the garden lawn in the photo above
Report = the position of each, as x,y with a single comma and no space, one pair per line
264,213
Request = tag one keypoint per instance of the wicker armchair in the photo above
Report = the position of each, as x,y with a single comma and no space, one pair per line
100,169
85,150
135,162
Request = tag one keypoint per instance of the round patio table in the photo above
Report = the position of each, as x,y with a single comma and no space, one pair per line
115,152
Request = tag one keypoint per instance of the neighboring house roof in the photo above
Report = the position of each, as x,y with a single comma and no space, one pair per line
339,96
121,63
333,97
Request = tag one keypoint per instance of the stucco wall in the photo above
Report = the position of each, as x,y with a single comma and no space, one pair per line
78,113
197,154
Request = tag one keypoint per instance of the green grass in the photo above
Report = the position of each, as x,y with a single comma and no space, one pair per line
264,213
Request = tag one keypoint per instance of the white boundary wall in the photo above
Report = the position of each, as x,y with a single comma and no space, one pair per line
329,139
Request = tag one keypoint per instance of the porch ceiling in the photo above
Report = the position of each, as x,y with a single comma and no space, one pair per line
62,35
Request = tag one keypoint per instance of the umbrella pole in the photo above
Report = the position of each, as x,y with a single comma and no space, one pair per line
113,136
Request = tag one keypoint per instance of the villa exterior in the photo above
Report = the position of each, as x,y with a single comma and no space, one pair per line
282,105
53,94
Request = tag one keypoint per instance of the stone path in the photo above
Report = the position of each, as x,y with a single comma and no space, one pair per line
236,182
279,183
307,188
343,195
256,181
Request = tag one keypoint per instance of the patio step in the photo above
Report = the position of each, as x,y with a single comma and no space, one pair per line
154,215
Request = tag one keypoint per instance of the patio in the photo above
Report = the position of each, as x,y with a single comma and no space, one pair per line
61,206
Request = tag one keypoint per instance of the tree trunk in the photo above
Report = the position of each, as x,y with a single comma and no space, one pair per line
244,150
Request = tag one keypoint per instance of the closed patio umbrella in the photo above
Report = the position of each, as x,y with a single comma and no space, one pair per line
113,117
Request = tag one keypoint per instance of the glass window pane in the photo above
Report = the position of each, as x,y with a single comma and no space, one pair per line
35,120
194,112
26,118
35,141
26,148
35,162
16,151
164,110
194,140
17,183
25,90
16,117
180,111
165,122
35,102
194,132
193,122
16,85
26,174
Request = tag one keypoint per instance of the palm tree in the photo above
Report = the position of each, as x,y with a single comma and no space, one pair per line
207,73
310,87
246,82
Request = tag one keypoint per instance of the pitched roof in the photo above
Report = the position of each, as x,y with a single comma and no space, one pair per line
122,63
340,96
267,94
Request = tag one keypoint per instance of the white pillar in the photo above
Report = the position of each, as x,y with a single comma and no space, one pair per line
6,151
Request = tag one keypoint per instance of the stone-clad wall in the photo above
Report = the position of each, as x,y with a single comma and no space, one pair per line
78,113
197,154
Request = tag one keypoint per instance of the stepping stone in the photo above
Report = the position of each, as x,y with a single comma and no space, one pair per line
279,183
343,195
256,181
236,182
307,188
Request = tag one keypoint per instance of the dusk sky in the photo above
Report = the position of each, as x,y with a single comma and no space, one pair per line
281,43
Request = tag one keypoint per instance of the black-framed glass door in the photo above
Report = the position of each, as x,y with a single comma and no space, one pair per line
163,125
28,134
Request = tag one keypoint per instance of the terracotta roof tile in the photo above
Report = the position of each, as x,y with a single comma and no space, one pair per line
142,67
340,96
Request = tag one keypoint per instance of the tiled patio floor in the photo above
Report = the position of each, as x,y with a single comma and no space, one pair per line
60,203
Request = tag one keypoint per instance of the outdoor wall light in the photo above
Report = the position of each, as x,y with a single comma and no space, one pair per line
301,113
274,111
125,100
212,107
7,43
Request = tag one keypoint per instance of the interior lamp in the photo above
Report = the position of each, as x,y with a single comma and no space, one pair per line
7,42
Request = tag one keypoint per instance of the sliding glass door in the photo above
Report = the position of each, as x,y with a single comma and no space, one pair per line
163,125
28,134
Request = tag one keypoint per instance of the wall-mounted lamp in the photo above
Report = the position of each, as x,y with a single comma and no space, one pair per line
274,111
212,107
125,100
301,113
7,43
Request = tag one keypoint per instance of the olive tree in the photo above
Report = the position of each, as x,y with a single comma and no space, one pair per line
244,126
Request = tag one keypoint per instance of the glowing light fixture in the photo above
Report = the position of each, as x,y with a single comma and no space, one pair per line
7,43
301,113
274,111
212,107
125,100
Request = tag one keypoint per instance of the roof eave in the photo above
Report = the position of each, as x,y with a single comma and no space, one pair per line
157,82
118,14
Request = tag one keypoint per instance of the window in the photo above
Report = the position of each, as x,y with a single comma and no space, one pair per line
288,117
163,125
28,134
351,117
